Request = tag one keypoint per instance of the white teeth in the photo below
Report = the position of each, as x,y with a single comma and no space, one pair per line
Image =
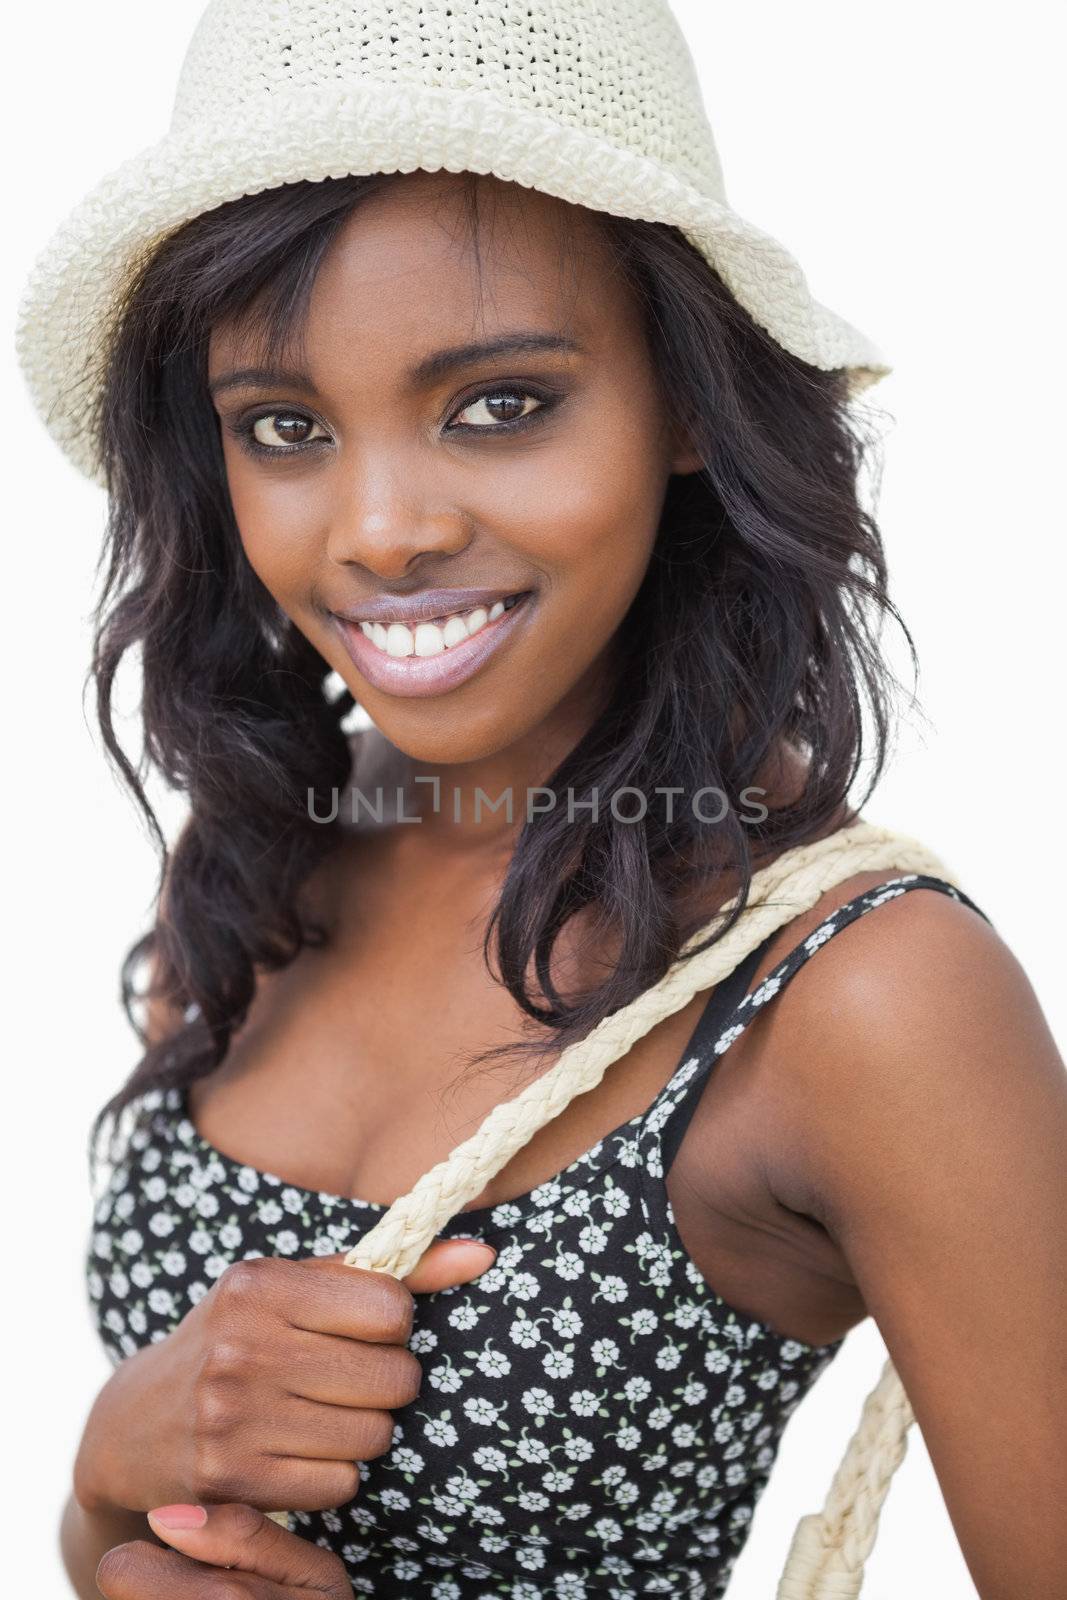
429,638
399,641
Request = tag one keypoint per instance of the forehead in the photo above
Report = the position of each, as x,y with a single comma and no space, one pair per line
431,257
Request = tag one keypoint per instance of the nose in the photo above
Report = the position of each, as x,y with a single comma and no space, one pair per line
389,519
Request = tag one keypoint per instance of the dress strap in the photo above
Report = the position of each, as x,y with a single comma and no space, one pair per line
731,1006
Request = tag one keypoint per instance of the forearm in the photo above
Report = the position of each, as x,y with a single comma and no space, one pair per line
84,1537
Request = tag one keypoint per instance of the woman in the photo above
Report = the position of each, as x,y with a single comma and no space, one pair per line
567,504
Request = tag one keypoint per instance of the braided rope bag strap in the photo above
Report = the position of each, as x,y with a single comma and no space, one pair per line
828,1552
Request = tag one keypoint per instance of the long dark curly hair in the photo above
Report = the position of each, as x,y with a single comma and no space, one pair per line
758,625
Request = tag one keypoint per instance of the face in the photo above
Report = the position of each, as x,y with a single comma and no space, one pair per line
456,495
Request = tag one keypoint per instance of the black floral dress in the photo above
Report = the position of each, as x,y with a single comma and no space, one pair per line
593,1419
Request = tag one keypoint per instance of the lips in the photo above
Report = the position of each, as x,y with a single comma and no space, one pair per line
431,674
428,605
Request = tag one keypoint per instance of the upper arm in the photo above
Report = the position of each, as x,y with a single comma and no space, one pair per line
926,1110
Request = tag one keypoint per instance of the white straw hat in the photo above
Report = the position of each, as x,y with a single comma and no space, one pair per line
594,101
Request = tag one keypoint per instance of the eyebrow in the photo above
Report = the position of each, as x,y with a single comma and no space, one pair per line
425,372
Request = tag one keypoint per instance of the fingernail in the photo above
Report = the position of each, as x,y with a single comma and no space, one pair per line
179,1516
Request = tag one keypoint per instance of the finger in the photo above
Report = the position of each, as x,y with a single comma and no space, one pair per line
238,1536
143,1571
312,1431
323,1295
374,1306
447,1262
302,1483
347,1372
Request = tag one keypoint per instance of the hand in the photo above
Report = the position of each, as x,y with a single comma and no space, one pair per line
277,1565
270,1389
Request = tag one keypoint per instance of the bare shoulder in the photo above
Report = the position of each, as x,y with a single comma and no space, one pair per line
903,1025
916,1107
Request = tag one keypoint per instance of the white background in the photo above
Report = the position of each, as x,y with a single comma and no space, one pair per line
912,160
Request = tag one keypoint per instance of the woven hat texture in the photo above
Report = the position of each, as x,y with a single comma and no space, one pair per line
596,102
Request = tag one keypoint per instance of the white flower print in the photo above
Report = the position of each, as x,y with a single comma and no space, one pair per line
532,1450
880,899
725,1040
820,936
557,1364
584,1403
523,1285
445,1377
612,1288
539,1402
493,1363
607,1531
481,1410
568,1265
566,1322
438,1430
766,991
637,1388
525,1332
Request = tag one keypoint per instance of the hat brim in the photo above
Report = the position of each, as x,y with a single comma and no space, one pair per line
68,305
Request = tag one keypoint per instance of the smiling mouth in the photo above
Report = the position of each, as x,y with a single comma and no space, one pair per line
437,635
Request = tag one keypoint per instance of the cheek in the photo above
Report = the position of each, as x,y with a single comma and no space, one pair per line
593,524
277,523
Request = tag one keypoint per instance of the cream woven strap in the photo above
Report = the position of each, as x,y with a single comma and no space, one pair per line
828,1551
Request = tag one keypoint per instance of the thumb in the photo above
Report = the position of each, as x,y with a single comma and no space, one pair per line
240,1536
449,1261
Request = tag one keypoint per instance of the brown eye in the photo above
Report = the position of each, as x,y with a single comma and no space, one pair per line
502,406
283,429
